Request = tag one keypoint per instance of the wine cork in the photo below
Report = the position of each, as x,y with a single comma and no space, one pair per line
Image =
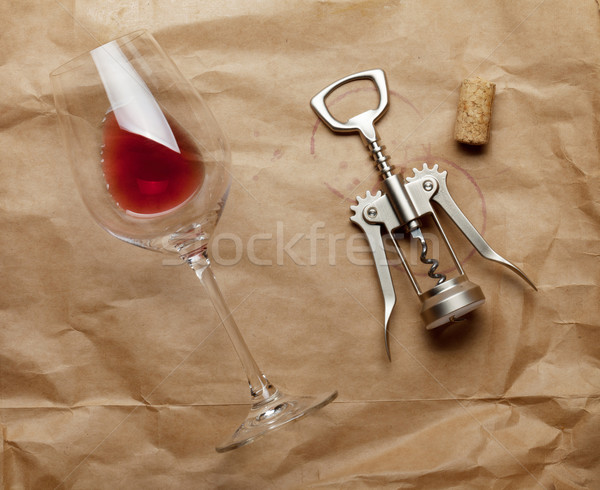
474,111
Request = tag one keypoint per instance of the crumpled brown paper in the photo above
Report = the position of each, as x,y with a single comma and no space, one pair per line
113,373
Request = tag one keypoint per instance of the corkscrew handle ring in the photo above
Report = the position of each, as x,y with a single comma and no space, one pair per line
363,123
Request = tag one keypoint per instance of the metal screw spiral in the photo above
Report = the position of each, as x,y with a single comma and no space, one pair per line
433,262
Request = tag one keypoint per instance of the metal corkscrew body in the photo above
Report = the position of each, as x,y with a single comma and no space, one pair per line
402,207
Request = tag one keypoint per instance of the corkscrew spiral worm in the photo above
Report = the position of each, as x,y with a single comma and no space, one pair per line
433,262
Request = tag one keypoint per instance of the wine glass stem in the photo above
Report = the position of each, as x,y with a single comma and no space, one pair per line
260,388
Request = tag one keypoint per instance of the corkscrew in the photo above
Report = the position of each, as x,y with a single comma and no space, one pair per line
402,208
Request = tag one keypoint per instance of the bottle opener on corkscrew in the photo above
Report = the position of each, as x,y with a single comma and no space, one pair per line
401,208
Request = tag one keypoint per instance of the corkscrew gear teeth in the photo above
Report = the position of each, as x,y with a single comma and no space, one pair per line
426,171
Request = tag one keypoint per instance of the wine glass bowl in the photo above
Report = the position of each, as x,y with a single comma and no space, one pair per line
153,168
135,127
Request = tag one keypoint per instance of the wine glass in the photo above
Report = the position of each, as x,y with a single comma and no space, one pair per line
152,167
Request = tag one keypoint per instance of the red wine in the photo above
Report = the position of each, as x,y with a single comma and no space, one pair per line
145,177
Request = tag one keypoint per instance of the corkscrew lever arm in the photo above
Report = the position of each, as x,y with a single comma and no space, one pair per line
444,199
373,234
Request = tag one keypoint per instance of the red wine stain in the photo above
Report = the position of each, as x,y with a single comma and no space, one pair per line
145,177
335,191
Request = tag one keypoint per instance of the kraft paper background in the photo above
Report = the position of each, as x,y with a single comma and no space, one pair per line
114,372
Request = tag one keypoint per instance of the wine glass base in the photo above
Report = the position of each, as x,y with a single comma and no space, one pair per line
273,413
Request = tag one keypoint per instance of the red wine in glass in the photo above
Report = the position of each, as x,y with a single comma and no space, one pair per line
145,177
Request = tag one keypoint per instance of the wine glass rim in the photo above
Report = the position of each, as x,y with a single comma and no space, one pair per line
82,58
